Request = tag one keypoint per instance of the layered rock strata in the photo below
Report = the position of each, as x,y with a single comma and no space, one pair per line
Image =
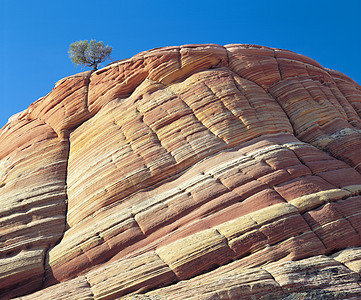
191,172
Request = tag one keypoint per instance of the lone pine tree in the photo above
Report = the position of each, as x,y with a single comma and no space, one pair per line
89,54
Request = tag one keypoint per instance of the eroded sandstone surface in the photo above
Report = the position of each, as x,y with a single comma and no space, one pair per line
191,172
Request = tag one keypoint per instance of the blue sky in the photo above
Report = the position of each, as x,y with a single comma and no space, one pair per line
35,35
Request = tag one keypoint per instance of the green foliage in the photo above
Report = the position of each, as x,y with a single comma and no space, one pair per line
89,54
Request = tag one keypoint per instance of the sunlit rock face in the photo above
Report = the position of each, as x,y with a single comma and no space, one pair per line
191,172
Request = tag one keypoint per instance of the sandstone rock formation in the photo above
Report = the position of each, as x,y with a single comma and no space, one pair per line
191,172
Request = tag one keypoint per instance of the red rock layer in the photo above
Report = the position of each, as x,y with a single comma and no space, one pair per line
179,161
32,190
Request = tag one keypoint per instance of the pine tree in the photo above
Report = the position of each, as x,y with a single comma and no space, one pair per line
89,54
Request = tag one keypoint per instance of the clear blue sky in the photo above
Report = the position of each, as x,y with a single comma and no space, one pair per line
35,34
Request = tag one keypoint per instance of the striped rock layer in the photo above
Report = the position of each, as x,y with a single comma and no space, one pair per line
191,172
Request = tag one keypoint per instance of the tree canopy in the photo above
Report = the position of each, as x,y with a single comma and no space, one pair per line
89,54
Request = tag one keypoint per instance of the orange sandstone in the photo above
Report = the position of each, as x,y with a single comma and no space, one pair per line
191,172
